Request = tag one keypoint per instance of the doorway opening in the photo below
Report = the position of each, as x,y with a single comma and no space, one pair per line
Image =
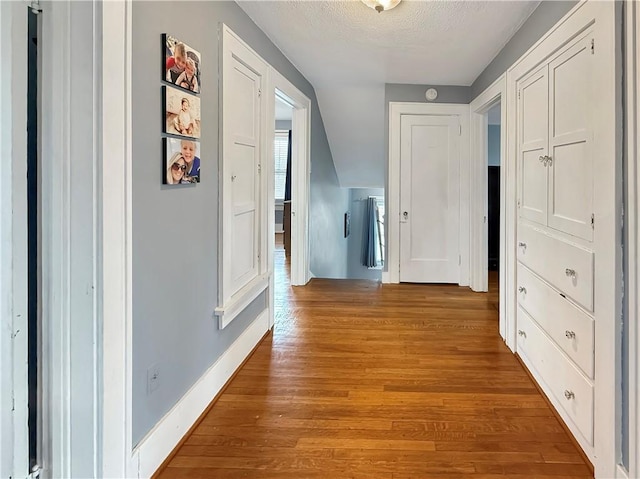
34,339
283,199
488,212
493,203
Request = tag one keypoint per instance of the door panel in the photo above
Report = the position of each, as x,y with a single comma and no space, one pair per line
570,201
533,113
429,185
244,170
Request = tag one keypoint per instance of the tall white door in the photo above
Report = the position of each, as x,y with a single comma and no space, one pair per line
429,198
243,129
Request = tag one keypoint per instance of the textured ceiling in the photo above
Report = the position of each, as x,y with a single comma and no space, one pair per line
348,52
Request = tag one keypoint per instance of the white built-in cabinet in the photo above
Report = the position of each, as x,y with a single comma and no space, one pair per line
555,230
556,160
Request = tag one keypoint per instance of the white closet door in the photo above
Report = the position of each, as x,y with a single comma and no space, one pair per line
244,127
533,130
429,198
570,201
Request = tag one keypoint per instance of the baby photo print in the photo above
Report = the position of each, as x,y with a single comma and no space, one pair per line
181,113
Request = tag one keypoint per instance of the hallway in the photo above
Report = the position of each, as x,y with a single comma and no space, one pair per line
360,380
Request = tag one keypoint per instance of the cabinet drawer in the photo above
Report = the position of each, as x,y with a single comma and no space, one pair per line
561,379
570,327
566,266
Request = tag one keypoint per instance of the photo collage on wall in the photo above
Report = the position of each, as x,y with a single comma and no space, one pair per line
181,68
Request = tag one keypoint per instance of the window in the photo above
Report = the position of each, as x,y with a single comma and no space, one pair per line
280,147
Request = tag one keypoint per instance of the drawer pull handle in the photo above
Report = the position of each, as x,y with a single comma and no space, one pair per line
522,289
570,272
542,158
570,334
522,333
569,394
522,245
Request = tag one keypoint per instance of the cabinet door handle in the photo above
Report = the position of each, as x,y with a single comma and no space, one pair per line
570,334
570,272
522,333
521,244
569,394
549,161
542,159
522,289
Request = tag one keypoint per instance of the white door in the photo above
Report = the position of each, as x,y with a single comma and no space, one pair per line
244,116
243,146
429,198
533,121
570,196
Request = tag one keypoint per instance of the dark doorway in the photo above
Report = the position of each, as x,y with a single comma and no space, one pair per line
33,233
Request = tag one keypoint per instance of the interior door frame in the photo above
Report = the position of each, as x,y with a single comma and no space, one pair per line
14,437
632,230
287,92
479,161
392,194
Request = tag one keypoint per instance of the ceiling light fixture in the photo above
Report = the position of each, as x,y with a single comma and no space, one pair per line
381,5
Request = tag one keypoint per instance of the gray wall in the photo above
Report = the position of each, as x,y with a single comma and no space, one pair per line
175,229
283,124
358,211
494,145
539,22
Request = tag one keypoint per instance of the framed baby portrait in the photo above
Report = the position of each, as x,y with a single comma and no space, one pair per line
181,112
181,161
181,64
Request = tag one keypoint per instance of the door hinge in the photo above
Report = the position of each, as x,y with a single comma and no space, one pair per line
35,6
518,94
35,472
593,221
259,92
259,167
459,260
460,129
593,46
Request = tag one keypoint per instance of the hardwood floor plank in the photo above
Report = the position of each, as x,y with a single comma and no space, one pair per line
364,381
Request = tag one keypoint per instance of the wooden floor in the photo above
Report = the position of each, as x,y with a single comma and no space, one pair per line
360,380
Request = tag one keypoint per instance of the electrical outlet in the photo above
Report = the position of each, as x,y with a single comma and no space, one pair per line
153,378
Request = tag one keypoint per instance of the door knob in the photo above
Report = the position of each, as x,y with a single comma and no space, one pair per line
405,215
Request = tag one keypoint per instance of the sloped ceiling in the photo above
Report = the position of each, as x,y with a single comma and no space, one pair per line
349,51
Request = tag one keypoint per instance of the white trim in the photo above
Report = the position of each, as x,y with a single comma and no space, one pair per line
607,206
300,174
632,239
479,200
118,460
14,445
241,300
167,433
392,196
300,177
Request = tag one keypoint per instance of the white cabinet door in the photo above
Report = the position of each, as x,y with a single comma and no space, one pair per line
570,192
243,131
533,112
429,198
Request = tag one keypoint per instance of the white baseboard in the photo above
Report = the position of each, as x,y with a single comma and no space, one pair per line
164,437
